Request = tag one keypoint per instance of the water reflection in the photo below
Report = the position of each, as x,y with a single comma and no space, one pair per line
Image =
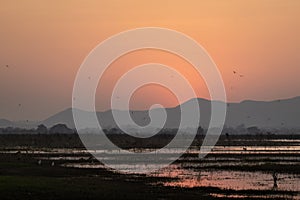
226,167
237,180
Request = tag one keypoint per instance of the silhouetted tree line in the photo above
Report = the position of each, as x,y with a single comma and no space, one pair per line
60,136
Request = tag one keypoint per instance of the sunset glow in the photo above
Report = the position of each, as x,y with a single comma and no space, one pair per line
149,99
44,43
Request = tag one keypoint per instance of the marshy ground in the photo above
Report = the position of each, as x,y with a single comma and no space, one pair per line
239,168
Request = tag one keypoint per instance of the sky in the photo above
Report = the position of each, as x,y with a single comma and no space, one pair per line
45,42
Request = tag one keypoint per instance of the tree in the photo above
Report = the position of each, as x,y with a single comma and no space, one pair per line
253,130
200,130
60,128
42,129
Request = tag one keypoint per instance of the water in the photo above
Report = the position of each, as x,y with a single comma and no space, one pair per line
215,171
231,167
225,179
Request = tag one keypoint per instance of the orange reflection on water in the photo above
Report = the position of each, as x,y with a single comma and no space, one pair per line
237,180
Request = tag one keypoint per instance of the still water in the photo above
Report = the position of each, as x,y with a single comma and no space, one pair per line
231,167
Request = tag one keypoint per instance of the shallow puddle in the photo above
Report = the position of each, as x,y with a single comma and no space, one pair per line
191,172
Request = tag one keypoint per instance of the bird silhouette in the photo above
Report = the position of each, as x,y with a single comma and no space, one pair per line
240,75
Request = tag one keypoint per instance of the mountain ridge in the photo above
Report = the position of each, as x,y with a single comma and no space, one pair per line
279,113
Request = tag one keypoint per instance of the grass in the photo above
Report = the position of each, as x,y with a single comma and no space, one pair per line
27,187
22,178
27,180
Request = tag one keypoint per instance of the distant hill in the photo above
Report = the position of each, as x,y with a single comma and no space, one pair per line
64,117
6,123
264,114
18,124
276,114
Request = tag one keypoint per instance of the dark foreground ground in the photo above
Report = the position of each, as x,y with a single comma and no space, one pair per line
22,178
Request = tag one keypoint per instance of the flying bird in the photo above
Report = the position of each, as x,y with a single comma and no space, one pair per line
240,75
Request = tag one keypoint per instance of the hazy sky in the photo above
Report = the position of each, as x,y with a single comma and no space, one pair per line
44,43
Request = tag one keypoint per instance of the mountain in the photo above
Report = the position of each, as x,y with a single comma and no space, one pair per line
63,117
275,114
264,114
5,123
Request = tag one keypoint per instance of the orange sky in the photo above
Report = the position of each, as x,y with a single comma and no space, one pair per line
44,43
